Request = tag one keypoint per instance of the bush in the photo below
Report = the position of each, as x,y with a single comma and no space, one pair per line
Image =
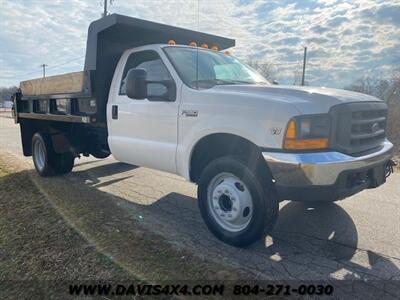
393,125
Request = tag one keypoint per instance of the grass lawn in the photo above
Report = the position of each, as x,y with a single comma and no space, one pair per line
37,245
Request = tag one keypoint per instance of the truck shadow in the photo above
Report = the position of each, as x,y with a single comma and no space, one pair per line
331,227
310,241
91,176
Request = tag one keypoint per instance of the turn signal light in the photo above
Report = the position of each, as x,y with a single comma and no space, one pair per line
308,144
291,130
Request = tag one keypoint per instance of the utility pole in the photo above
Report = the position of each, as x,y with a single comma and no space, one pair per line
304,66
44,69
105,8
105,12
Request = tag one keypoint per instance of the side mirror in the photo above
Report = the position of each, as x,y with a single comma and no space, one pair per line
164,90
275,82
136,84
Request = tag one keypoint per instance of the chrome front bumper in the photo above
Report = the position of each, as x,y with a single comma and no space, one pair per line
320,168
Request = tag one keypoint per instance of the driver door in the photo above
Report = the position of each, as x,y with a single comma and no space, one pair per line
143,132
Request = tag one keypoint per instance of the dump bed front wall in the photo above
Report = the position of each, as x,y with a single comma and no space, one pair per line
109,37
60,84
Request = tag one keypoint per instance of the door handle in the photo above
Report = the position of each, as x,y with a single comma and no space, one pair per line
114,112
190,113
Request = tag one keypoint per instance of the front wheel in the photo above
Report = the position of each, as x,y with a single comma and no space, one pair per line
237,203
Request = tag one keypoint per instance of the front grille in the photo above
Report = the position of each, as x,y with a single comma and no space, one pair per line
358,127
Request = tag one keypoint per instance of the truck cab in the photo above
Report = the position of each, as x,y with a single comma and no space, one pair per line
205,115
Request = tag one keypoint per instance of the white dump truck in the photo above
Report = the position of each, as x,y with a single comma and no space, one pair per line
153,95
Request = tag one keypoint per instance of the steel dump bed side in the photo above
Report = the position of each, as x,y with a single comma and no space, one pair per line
87,92
72,107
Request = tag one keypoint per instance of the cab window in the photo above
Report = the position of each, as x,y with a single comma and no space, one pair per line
155,68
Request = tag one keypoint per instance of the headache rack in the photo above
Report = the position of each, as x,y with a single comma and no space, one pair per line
81,97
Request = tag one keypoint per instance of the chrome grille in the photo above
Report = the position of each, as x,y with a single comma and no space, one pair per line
358,127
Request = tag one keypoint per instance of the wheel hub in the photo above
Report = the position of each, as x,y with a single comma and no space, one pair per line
39,152
230,202
225,203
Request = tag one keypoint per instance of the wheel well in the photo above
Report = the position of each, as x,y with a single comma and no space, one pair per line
223,144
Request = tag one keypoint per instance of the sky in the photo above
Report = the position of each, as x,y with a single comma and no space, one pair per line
346,40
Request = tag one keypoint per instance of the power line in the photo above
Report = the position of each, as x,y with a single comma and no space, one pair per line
50,67
64,63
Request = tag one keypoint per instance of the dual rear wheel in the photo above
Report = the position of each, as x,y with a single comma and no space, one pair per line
47,162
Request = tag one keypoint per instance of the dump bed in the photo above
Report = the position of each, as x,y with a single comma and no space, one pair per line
82,96
70,83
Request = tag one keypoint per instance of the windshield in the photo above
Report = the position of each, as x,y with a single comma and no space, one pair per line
214,68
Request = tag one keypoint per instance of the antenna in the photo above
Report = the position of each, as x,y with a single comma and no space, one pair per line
197,48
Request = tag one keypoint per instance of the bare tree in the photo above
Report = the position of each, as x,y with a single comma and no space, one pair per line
375,85
265,68
6,93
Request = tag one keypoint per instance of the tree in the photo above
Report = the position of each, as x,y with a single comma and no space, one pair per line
265,68
377,86
6,93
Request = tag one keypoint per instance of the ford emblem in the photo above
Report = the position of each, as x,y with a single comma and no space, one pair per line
375,127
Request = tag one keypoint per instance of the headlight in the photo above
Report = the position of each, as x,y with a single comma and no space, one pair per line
307,132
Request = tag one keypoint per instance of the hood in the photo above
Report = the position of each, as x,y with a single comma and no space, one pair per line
305,99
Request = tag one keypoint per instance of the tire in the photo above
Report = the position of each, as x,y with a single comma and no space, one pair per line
100,154
64,163
47,162
238,204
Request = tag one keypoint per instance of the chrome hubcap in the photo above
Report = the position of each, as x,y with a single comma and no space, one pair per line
39,152
230,202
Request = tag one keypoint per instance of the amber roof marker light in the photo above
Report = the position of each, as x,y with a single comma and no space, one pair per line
171,42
